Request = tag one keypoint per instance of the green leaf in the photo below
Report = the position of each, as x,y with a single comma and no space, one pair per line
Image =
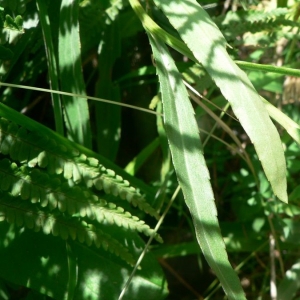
14,24
108,116
43,266
52,63
290,284
192,173
5,53
65,147
54,155
208,45
76,109
292,128
134,165
37,186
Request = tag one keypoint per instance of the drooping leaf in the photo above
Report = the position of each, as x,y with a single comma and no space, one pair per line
58,158
65,146
209,48
98,275
39,187
15,211
292,128
192,173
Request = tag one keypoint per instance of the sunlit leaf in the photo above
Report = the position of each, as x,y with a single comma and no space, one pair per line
192,173
208,45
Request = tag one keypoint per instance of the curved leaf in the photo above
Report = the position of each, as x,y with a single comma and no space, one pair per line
15,211
192,173
76,109
209,48
42,266
49,191
39,150
290,284
291,127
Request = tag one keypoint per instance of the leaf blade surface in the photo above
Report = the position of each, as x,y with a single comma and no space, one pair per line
76,111
191,170
208,45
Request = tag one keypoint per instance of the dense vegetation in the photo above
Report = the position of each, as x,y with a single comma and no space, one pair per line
107,188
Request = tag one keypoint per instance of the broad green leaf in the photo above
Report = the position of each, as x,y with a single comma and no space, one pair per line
290,284
42,265
192,173
76,109
208,45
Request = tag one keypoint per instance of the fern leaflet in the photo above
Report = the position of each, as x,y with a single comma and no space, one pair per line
50,192
36,150
15,211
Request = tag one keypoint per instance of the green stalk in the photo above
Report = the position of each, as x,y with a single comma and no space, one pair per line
178,45
268,68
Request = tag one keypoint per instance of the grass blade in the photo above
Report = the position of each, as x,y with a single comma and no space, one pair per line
75,109
208,45
135,164
292,128
108,116
52,64
191,170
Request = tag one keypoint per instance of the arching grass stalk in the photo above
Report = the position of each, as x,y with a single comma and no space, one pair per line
77,95
148,243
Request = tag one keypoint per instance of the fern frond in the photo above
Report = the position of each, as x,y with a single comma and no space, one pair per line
39,187
36,150
237,23
16,212
117,215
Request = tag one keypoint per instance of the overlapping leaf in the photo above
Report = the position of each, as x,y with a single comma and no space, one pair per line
49,191
17,212
192,173
63,183
209,48
44,152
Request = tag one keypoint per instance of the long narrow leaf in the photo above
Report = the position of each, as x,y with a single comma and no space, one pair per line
75,109
292,128
52,64
192,173
108,116
208,45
